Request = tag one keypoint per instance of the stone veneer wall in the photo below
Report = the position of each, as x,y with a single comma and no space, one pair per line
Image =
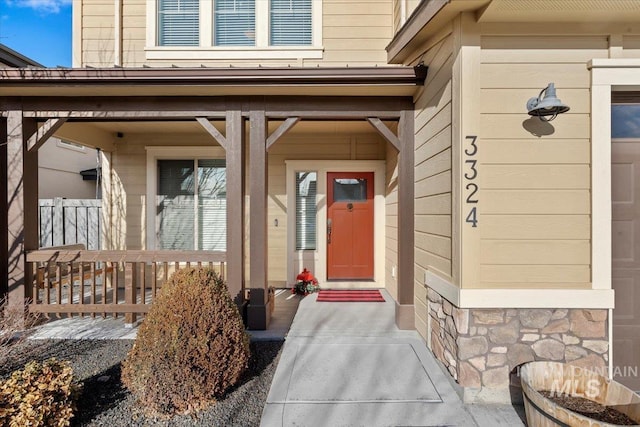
480,347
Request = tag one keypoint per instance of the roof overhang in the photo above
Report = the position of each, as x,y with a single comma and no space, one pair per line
431,15
428,17
386,81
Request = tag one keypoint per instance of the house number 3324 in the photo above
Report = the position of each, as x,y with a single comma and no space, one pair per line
470,175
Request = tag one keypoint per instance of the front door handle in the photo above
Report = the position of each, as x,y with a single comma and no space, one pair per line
329,229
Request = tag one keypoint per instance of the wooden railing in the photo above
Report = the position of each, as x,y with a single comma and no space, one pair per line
71,281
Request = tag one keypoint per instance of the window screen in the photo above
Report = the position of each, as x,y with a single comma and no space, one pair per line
178,22
235,22
290,23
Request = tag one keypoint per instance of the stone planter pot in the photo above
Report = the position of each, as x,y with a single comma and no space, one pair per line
568,379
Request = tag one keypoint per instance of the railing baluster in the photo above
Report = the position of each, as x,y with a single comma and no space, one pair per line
59,287
81,277
92,266
46,283
154,280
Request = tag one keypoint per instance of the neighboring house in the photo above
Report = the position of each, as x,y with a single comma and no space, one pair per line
60,162
306,134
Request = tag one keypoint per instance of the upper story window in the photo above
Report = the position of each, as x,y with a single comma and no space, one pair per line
290,23
234,29
178,22
234,23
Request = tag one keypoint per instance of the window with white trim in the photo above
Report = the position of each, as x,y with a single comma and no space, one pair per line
191,205
234,29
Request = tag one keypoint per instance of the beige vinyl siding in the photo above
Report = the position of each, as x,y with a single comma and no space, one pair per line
433,157
354,33
534,209
133,33
129,166
391,223
98,33
397,17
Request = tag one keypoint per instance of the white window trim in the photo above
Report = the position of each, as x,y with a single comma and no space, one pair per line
316,260
170,153
207,51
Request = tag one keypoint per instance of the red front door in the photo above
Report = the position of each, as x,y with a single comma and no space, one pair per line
350,225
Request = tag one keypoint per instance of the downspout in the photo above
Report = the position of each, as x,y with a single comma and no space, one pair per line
117,33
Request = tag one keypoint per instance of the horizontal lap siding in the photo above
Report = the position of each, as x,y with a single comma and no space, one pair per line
98,33
535,202
433,163
129,168
310,146
391,222
354,33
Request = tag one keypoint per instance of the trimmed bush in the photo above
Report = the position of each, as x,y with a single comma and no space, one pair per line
190,348
41,394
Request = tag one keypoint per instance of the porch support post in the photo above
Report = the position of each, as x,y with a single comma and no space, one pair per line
405,312
234,149
4,266
22,204
258,313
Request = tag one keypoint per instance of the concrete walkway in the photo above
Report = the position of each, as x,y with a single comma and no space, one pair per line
342,364
347,364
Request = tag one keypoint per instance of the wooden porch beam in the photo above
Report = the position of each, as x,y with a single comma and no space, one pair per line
22,204
215,107
4,266
215,133
235,160
257,311
405,314
384,131
45,132
282,129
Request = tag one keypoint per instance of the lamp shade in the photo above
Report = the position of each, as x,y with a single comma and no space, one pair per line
549,105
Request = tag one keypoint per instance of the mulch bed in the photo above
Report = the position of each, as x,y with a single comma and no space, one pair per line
105,402
589,408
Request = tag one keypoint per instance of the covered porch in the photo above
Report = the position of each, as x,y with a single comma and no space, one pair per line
244,113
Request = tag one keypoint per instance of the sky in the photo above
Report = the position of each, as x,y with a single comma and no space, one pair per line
38,29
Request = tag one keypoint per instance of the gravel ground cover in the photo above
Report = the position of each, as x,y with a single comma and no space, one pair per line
105,402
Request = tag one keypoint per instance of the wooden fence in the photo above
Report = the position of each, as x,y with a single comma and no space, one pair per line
74,281
70,221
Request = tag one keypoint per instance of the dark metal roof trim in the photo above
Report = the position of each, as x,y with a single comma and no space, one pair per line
12,58
261,76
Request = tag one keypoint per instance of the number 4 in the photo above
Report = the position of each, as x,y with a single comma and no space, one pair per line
472,218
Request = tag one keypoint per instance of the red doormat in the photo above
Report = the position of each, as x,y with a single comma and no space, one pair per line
370,295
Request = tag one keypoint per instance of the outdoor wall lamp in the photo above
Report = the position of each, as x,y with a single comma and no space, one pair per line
547,108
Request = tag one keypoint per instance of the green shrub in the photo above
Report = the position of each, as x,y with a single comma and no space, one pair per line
41,394
190,348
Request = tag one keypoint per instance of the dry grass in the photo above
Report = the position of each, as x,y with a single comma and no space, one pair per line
15,321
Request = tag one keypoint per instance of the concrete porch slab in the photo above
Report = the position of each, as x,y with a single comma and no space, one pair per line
317,375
